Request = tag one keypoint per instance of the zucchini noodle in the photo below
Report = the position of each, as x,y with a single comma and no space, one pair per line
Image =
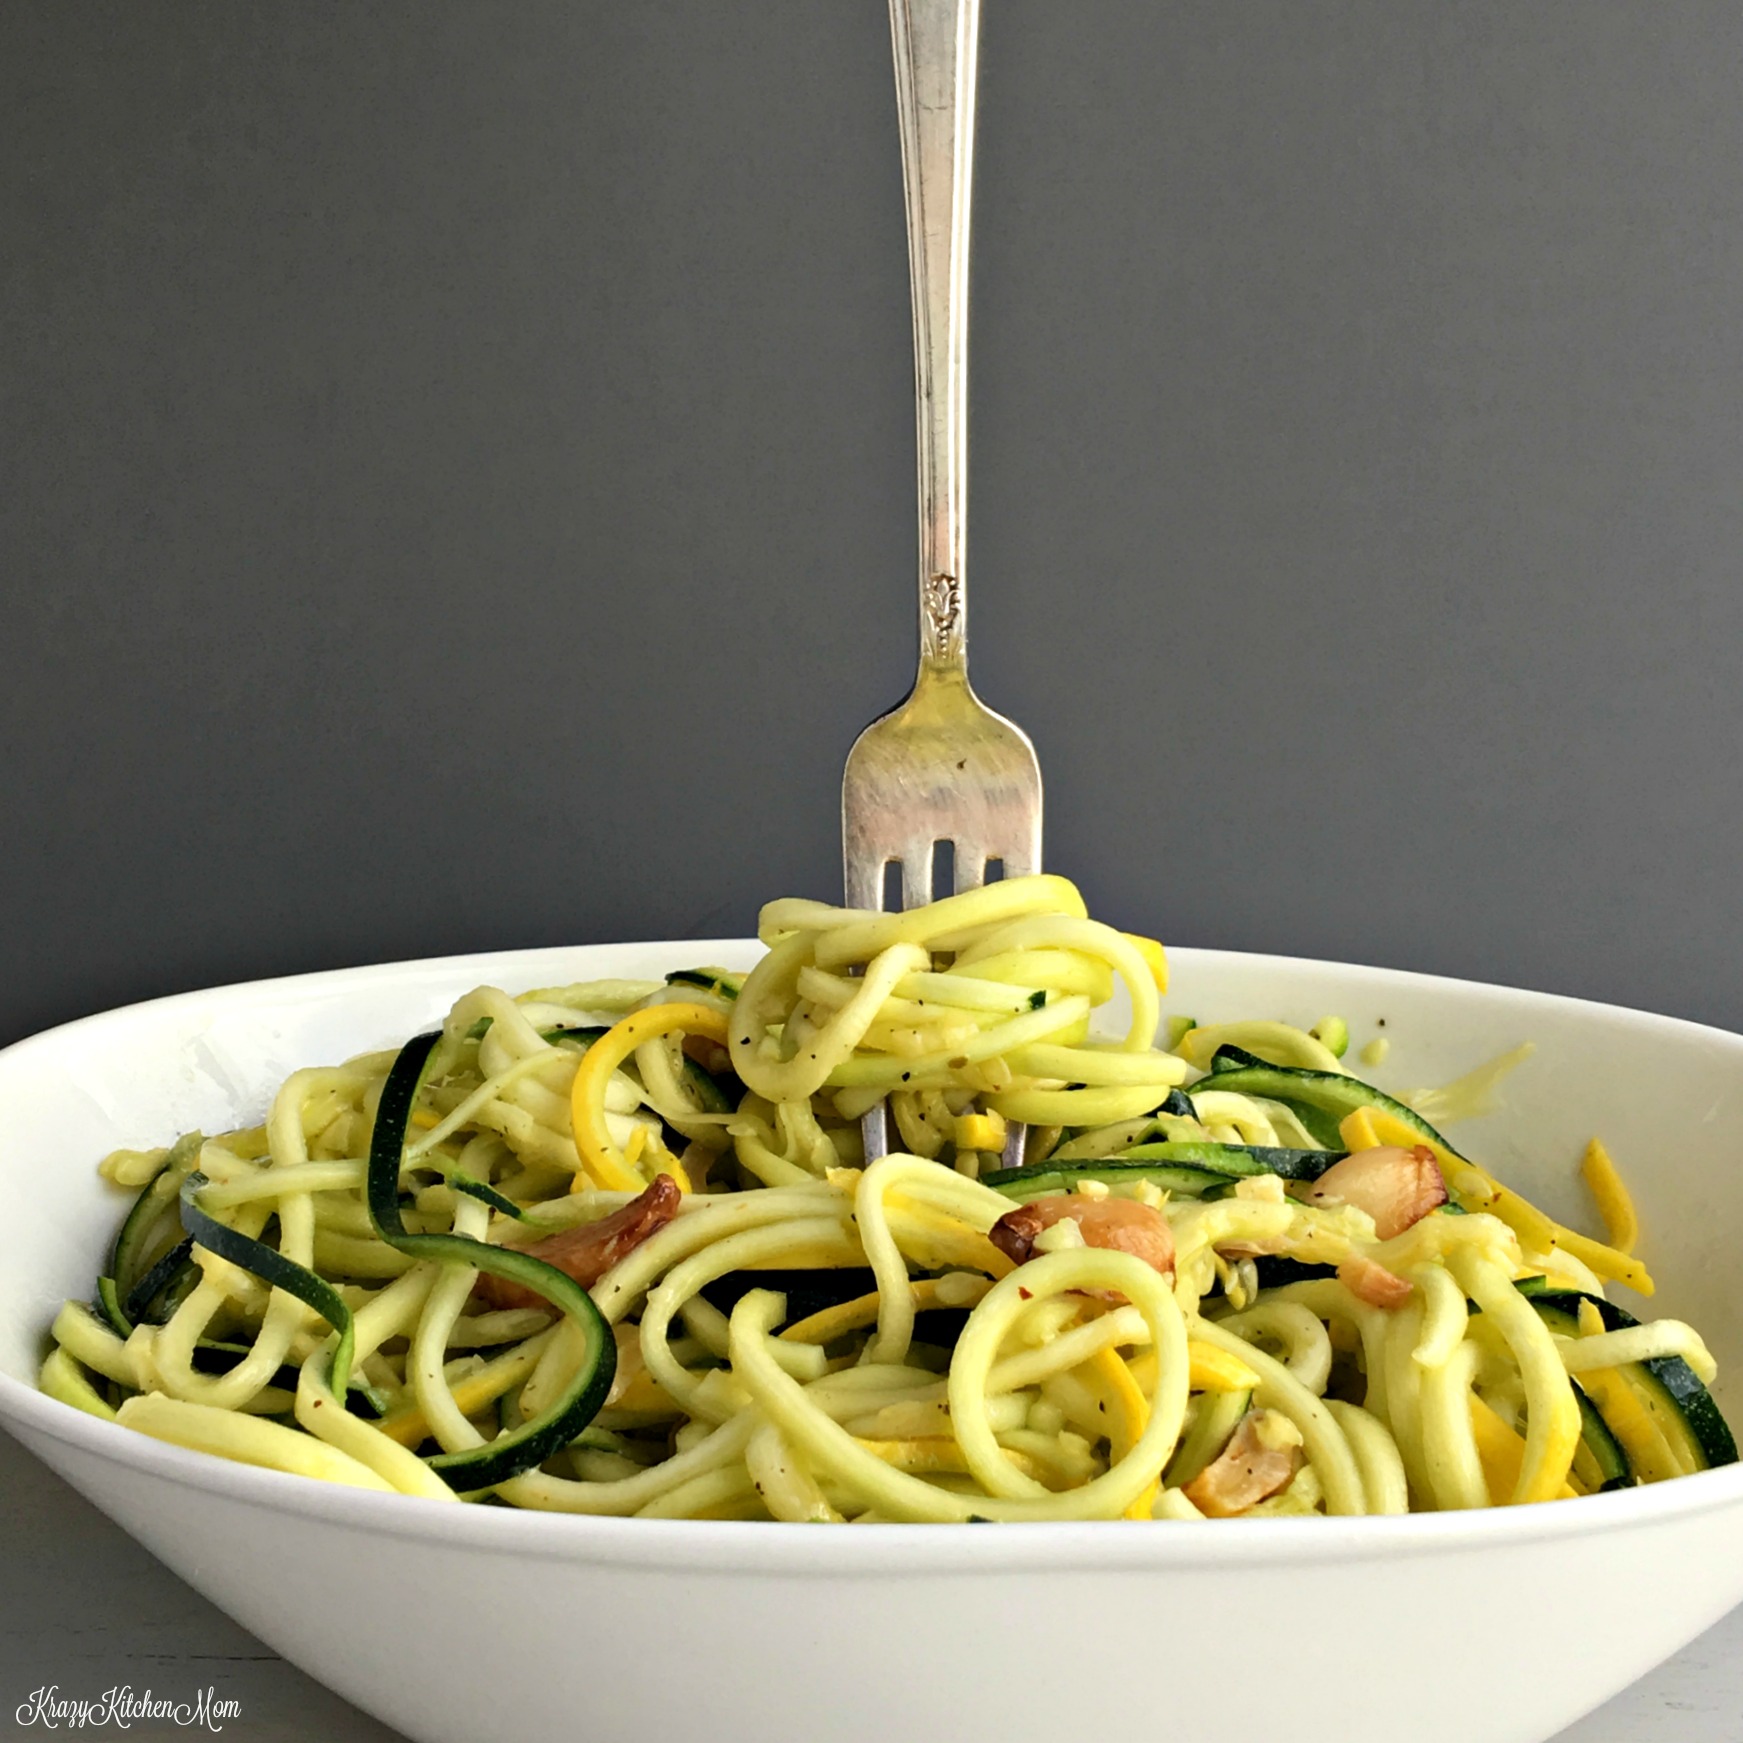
614,1248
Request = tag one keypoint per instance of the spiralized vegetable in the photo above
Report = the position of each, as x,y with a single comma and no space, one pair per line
1192,1300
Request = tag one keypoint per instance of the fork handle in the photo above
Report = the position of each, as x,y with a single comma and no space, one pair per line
936,47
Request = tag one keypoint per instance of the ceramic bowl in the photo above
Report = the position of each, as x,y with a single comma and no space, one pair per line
460,1624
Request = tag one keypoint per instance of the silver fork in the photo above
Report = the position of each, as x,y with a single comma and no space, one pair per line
942,767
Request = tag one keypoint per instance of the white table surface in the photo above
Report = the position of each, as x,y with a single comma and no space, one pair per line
84,1607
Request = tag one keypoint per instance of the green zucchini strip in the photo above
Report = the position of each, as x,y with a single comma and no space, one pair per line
271,1266
530,1445
1610,1464
1669,1378
1023,1184
1236,1159
176,1266
127,1260
109,1308
1320,1098
490,1196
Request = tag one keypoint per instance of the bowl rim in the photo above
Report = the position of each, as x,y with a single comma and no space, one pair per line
893,1549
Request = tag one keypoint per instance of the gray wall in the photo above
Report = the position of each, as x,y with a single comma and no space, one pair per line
456,486
455,491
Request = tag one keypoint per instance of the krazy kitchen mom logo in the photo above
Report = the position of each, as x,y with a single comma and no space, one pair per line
122,1708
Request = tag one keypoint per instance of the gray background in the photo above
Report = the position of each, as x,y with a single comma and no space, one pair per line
456,492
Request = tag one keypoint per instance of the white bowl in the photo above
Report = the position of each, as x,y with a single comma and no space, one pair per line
459,1624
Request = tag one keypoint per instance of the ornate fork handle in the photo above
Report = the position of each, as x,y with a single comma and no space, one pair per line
936,48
